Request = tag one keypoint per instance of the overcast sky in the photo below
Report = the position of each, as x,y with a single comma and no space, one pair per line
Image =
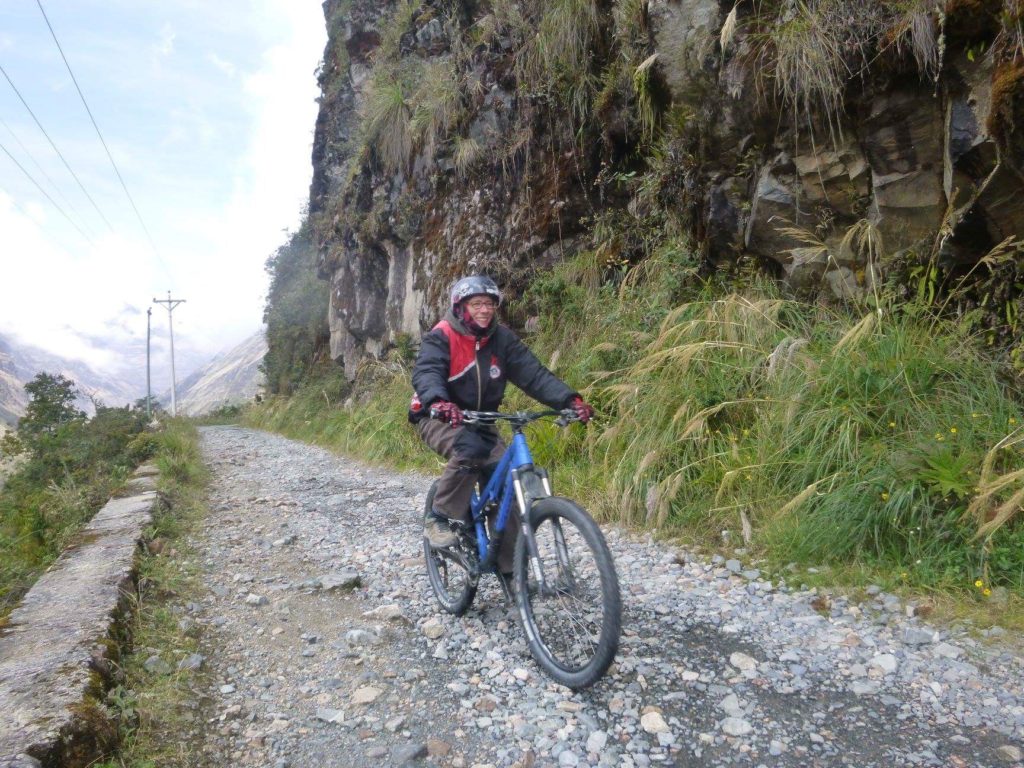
208,109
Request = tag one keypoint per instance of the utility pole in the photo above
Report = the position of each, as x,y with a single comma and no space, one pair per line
149,390
171,304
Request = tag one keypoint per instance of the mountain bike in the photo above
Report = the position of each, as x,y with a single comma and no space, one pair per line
564,581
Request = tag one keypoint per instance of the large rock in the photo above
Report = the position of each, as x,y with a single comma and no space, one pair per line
685,33
834,177
774,207
903,141
358,298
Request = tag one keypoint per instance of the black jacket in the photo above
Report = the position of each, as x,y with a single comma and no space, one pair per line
471,371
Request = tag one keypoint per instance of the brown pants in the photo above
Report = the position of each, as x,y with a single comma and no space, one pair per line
469,451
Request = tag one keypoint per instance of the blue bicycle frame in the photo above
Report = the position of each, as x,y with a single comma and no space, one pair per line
504,485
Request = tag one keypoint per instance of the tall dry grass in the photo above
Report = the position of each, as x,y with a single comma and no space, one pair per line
809,434
886,442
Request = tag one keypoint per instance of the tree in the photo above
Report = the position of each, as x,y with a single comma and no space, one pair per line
154,406
295,313
51,405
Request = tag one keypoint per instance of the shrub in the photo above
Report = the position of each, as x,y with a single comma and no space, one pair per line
295,312
71,467
388,120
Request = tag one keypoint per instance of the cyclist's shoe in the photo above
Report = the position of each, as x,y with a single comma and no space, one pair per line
438,532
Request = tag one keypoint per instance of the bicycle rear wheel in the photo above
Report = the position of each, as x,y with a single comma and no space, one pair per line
572,618
449,569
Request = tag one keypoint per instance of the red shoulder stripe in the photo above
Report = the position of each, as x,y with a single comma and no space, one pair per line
461,351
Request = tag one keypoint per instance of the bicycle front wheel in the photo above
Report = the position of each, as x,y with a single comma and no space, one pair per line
449,569
568,598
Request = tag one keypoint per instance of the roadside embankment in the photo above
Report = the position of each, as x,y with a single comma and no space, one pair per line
57,648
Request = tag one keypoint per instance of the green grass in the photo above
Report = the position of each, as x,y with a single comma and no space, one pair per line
371,426
411,105
158,712
807,53
438,105
558,60
388,122
884,444
879,441
58,485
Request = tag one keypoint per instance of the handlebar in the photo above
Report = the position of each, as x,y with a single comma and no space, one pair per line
519,419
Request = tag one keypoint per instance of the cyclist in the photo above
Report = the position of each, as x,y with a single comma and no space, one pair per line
463,364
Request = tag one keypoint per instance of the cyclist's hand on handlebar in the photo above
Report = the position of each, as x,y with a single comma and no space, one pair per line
583,411
442,410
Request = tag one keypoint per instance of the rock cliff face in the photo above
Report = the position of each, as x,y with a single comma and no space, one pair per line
832,140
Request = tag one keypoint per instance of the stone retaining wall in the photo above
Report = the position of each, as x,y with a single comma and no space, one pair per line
56,648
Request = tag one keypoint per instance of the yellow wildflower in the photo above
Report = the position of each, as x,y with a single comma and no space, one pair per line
885,496
986,592
979,583
953,430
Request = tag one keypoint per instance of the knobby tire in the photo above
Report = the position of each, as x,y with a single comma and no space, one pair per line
453,585
572,627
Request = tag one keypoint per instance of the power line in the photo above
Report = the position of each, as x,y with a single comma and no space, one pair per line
59,154
98,132
45,194
35,162
17,205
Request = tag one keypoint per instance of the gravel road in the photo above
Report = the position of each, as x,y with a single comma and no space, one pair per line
327,649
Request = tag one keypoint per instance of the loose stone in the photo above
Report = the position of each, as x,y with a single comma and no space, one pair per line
376,673
734,726
742,661
653,722
366,695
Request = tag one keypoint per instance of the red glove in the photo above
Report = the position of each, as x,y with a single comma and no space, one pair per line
583,411
442,410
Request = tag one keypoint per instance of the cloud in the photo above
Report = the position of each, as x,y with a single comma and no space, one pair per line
61,299
223,65
271,180
165,44
219,167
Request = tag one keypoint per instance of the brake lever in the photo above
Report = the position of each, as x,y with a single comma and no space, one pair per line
568,416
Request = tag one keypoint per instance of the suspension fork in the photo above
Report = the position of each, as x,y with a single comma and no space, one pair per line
525,529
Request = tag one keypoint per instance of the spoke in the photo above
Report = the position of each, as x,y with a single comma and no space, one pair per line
580,639
568,624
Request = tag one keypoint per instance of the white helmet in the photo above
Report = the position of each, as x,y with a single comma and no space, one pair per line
474,285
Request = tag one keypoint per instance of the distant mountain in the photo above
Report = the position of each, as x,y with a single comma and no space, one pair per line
19,364
231,377
12,396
